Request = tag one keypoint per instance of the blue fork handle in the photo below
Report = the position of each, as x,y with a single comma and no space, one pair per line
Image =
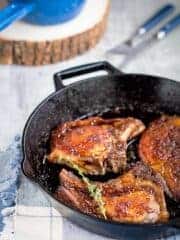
14,11
156,18
169,27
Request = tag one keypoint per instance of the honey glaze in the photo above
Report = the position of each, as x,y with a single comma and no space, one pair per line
51,171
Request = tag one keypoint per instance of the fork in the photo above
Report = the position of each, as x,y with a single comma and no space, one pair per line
160,15
159,35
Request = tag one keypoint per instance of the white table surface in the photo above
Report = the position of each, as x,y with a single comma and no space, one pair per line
22,88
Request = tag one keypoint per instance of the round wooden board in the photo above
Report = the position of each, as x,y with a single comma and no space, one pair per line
27,44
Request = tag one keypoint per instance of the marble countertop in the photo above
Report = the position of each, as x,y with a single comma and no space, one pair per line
22,88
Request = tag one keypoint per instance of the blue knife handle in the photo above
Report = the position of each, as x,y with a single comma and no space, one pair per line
156,18
169,26
14,11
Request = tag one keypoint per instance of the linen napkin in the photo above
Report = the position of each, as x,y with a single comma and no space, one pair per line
9,176
38,223
18,221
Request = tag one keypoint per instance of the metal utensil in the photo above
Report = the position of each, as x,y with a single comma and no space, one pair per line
159,35
160,15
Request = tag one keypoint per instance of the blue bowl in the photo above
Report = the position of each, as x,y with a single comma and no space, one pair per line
48,12
41,12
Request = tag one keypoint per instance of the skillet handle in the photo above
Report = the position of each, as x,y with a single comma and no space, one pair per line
83,69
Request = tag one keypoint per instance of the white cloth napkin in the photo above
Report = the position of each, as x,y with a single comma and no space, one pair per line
33,223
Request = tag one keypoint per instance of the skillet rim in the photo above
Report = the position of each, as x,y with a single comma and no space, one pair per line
32,178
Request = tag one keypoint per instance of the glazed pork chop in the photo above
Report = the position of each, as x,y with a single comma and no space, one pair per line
94,145
132,197
159,148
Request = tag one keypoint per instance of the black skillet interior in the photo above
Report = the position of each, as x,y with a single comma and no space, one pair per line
114,95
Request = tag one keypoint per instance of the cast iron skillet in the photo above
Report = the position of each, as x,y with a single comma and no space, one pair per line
114,94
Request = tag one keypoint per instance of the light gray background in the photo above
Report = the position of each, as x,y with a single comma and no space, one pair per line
22,88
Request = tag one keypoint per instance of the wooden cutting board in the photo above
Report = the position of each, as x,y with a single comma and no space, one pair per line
28,44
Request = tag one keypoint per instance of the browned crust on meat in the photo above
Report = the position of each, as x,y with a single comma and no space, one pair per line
95,145
126,198
74,193
159,148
